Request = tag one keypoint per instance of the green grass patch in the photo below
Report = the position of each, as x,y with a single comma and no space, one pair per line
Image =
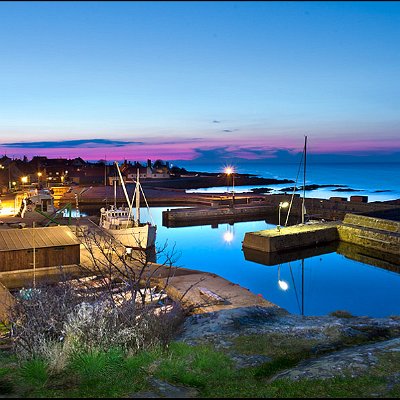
195,366
273,345
115,374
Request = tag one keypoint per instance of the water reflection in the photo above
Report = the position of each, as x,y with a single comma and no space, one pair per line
229,233
282,284
295,275
332,277
351,251
275,258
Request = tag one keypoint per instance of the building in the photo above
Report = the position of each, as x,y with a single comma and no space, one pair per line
157,171
38,247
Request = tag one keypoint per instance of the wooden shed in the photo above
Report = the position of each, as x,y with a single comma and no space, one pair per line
43,247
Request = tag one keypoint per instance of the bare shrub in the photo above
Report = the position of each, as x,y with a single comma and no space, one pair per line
114,305
37,319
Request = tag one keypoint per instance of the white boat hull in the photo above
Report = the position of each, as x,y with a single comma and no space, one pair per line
136,237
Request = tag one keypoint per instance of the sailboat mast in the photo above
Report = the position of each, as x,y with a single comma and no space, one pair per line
303,207
137,195
302,286
34,255
123,184
115,193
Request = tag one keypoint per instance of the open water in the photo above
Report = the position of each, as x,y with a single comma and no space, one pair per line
316,285
380,182
319,285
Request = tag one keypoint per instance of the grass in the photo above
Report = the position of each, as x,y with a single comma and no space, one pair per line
273,345
115,374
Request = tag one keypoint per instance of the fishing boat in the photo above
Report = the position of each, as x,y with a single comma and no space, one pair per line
124,225
39,200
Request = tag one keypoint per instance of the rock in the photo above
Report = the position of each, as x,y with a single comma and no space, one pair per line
163,389
354,361
245,360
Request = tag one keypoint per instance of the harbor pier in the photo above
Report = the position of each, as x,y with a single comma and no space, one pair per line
369,232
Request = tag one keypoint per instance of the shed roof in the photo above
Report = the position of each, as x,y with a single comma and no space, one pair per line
27,238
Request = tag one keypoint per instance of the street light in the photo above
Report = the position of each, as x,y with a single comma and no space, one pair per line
284,204
231,171
39,174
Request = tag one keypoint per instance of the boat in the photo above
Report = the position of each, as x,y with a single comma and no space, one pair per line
39,200
303,207
124,225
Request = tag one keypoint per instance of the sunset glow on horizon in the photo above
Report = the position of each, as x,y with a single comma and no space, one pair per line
199,80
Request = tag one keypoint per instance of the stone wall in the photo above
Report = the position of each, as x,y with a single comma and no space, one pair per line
375,233
371,222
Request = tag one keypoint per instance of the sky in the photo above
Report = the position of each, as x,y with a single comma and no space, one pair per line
200,80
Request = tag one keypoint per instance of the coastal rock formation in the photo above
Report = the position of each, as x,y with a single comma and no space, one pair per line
338,344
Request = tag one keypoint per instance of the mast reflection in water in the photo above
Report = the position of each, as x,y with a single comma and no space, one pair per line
334,277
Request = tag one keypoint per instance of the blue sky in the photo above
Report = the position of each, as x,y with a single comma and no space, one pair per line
175,80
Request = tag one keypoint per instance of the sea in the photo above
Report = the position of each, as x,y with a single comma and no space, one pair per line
378,181
314,285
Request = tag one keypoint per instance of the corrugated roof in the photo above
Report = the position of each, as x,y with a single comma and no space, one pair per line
27,238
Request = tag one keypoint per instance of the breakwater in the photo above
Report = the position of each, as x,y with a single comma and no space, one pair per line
368,232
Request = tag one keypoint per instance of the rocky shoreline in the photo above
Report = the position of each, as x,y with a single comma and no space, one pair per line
339,345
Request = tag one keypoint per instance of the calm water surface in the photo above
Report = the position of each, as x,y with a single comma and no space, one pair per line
380,182
326,283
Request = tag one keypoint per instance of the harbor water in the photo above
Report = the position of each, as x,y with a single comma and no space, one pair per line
316,285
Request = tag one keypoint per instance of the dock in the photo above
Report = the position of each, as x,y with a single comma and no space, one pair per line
291,237
213,215
369,232
266,209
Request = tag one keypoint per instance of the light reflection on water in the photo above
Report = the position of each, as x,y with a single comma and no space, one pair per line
322,284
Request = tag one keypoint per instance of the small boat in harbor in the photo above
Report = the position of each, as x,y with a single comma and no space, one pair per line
125,226
39,200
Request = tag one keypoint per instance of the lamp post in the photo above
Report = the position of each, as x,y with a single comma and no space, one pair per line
231,171
39,174
283,204
24,180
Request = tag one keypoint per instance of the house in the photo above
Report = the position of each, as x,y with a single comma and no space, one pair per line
157,171
43,247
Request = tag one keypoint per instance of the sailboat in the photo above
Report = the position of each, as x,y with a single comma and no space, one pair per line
303,207
123,225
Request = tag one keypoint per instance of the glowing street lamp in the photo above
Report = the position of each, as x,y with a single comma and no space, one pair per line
284,204
230,171
24,180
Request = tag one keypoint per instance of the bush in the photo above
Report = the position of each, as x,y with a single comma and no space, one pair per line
341,314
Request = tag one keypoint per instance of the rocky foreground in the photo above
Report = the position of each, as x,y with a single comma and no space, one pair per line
340,345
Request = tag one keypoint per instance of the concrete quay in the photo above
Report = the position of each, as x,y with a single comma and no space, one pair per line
202,215
100,196
291,237
267,209
368,232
